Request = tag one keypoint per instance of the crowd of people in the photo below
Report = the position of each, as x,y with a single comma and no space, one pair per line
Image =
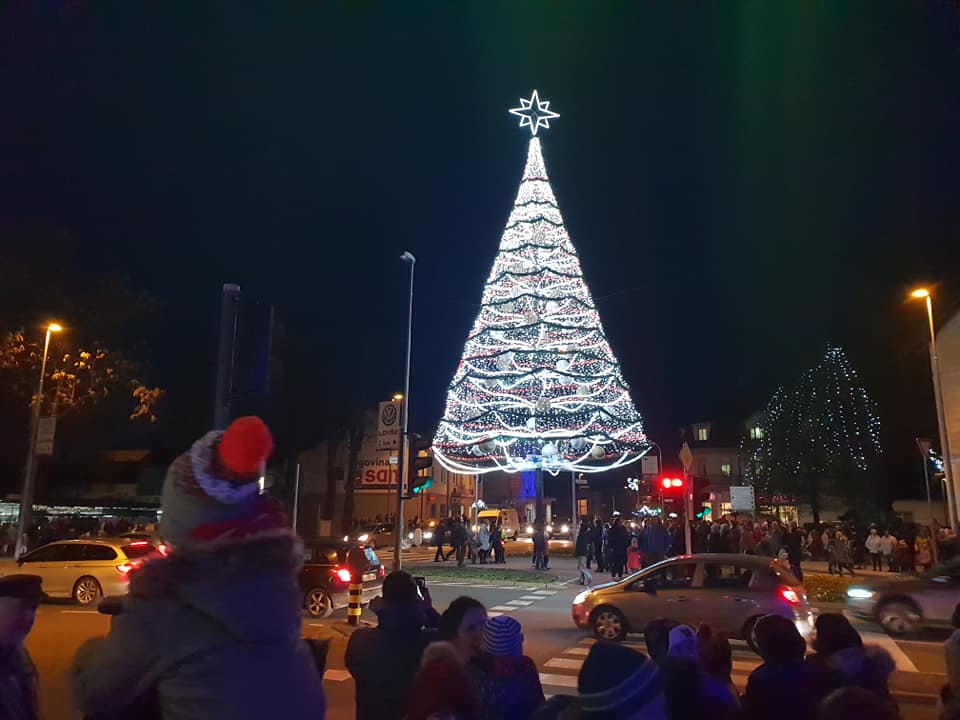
480,543
46,530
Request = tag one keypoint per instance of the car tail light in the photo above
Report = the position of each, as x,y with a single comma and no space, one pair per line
344,575
790,595
139,543
164,550
383,572
126,568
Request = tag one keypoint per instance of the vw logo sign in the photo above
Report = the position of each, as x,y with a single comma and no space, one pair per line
389,415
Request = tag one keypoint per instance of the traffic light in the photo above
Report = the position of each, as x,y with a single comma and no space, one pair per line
674,484
421,462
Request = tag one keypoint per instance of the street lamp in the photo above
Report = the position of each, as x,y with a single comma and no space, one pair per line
408,258
30,467
923,293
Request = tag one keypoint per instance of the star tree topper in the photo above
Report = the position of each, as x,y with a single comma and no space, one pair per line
534,113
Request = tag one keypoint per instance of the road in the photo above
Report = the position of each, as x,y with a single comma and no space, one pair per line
556,646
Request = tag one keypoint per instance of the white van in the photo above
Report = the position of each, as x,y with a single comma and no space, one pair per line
508,520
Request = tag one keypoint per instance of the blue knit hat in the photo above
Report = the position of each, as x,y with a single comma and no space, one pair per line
616,681
502,636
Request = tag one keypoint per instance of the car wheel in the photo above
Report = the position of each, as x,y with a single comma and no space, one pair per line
609,624
318,603
748,633
899,618
86,591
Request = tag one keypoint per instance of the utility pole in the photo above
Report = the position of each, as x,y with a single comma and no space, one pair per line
404,439
226,355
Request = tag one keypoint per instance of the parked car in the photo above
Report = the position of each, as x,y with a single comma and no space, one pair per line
728,592
86,570
375,536
903,607
325,577
152,538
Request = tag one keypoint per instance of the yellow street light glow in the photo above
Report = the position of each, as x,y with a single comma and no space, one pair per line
54,327
398,396
920,293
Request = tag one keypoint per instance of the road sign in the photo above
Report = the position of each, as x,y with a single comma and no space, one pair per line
649,465
388,429
580,479
742,498
394,460
46,430
686,457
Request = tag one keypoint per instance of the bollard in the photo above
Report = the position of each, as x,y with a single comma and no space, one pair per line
355,594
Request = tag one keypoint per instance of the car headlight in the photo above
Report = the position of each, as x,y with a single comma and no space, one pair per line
346,538
363,538
427,535
581,598
549,528
529,529
564,528
860,593
409,536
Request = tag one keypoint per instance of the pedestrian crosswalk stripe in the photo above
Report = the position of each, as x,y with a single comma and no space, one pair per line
545,592
564,681
503,608
531,597
903,662
565,663
576,651
494,614
520,603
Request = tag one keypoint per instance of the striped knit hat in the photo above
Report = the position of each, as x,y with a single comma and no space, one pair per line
502,636
618,682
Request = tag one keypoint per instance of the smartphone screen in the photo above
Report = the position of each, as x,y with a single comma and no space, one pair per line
421,584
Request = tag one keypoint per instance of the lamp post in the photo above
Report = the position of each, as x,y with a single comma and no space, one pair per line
404,440
924,294
30,469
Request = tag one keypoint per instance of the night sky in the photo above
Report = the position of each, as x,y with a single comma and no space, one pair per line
744,181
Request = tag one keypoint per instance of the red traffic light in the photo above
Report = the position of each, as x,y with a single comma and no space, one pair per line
670,483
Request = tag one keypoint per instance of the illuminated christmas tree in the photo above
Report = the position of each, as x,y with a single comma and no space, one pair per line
538,385
820,439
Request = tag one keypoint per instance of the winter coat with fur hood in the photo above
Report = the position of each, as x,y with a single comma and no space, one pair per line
211,633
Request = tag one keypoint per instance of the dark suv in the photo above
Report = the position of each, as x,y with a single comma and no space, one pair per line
326,577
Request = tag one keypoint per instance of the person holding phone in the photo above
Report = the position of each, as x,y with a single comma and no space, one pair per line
384,660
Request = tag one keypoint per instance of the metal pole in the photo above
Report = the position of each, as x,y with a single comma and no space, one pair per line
30,470
926,478
226,355
574,515
296,496
404,440
941,421
688,512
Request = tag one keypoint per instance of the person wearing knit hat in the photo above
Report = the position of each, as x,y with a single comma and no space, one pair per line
683,643
619,683
19,597
503,637
506,680
217,620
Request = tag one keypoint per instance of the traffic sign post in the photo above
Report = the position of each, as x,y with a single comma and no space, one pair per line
686,457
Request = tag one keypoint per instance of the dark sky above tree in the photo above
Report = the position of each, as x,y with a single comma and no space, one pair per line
745,182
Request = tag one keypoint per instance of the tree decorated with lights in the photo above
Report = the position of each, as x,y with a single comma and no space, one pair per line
538,386
818,440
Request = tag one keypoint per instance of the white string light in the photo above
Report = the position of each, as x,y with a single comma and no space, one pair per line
538,384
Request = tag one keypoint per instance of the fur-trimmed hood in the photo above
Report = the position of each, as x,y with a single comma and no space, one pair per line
248,586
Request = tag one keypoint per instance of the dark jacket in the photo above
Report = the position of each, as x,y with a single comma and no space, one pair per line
508,687
655,539
384,661
18,685
770,683
619,539
458,534
793,541
583,543
213,632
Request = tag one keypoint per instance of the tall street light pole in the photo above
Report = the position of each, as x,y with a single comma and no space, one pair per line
30,469
924,294
404,439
